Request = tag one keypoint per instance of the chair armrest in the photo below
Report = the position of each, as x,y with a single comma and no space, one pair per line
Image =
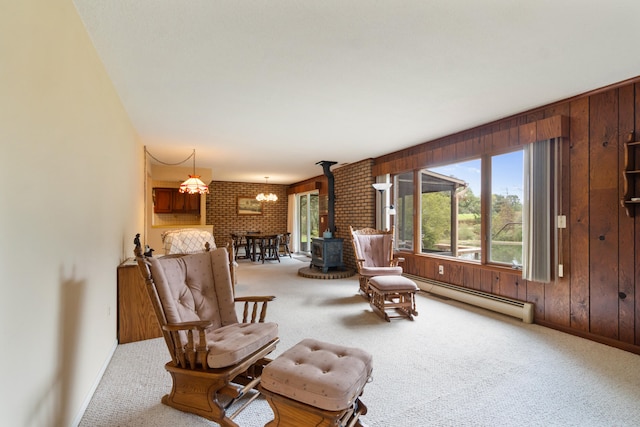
396,260
189,355
183,326
255,302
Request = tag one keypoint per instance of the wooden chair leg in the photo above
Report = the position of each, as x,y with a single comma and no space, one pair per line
364,287
402,302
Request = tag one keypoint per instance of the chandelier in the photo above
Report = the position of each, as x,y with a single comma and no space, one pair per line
266,197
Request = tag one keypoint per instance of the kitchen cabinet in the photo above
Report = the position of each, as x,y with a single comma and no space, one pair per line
186,203
170,200
162,200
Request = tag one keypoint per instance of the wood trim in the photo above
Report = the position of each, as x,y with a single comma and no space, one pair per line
450,149
553,127
304,187
590,336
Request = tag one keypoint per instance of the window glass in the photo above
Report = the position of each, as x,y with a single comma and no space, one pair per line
404,189
505,238
450,210
308,220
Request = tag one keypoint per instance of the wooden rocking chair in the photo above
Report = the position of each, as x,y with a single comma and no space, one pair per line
374,255
215,360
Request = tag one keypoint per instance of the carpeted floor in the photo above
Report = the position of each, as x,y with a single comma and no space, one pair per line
455,365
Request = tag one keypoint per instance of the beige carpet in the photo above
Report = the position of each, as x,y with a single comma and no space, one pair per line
455,365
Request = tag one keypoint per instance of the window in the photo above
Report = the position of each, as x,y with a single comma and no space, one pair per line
505,238
450,211
404,189
308,220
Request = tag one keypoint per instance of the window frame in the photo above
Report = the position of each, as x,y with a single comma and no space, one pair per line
485,207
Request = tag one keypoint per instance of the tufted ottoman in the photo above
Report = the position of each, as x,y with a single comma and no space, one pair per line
393,292
316,384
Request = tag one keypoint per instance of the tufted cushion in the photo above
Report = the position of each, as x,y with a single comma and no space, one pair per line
195,287
374,249
230,344
392,283
323,375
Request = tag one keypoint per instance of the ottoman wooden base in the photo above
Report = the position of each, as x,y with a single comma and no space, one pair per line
395,294
289,413
316,384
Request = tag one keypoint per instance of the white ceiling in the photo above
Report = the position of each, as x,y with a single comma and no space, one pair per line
270,87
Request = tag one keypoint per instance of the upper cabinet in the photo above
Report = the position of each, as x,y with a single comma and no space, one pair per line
170,200
162,200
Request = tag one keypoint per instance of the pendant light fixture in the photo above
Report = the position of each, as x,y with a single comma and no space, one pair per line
193,185
266,197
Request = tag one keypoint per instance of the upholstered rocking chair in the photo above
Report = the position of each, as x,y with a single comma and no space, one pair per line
374,255
215,360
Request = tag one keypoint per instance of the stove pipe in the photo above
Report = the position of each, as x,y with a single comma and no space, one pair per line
326,167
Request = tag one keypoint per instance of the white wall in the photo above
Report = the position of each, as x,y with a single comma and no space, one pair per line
71,200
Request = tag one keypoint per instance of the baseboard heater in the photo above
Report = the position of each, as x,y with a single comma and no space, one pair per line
511,307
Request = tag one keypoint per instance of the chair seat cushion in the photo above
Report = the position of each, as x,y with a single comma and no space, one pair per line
380,271
323,375
230,344
392,283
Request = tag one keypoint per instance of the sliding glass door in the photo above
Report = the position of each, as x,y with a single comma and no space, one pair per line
308,220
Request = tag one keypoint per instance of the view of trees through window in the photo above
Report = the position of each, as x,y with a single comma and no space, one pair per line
308,219
506,208
451,217
404,188
451,209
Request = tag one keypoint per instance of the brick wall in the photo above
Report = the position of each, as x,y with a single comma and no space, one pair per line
355,203
223,215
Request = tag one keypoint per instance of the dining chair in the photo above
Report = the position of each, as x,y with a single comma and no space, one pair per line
239,242
284,244
270,248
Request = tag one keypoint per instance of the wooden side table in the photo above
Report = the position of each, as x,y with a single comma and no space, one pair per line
136,318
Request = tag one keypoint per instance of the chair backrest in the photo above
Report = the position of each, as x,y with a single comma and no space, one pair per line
374,247
236,240
190,287
286,238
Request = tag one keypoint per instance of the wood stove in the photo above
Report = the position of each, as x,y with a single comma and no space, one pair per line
326,253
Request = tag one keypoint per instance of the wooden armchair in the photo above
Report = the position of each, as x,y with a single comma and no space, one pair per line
215,359
374,255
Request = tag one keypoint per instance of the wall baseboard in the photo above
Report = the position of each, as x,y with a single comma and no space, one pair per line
511,307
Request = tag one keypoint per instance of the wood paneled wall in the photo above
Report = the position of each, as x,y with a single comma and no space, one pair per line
599,295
